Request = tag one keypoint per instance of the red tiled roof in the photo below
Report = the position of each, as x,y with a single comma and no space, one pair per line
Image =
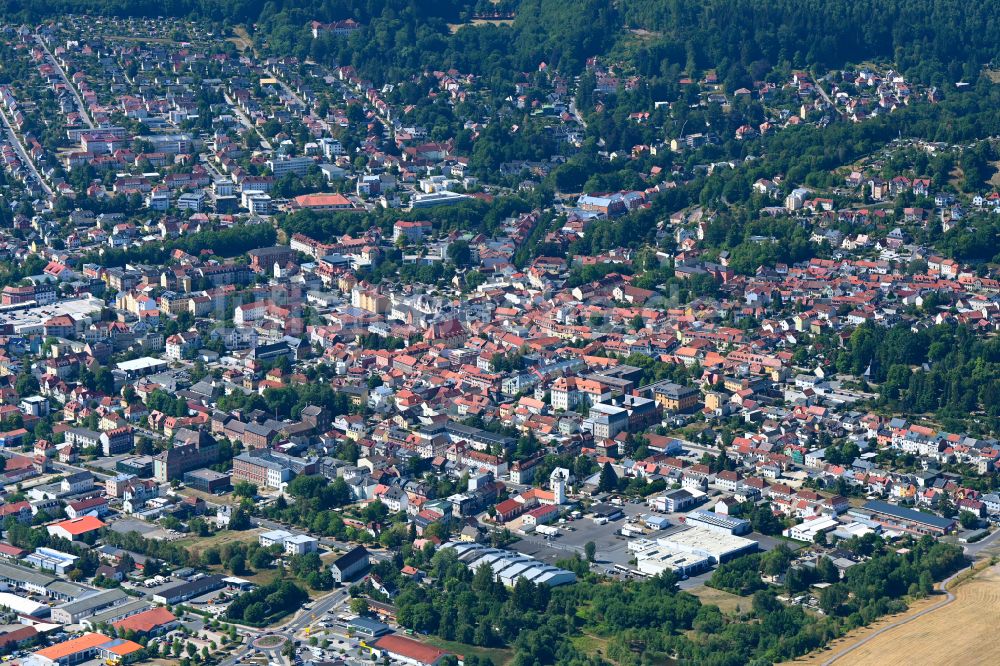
82,525
411,649
73,646
145,621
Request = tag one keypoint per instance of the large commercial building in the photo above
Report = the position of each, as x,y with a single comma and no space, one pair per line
176,594
116,613
22,606
35,582
717,522
442,198
74,528
653,559
509,566
407,651
85,647
718,546
901,519
74,611
174,462
153,621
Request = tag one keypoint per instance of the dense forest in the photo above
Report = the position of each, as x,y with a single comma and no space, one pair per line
945,370
948,37
935,40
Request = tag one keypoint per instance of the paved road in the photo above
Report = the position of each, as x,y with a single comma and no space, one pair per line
15,141
949,597
290,627
72,88
288,90
245,121
576,114
826,97
72,469
973,550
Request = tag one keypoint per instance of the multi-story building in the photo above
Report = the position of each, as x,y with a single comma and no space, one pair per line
270,469
675,397
117,440
82,438
172,463
294,165
605,421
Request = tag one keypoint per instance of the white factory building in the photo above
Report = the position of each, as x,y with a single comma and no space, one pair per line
653,559
717,522
508,566
22,605
719,546
808,530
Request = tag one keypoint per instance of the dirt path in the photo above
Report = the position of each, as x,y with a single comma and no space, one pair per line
961,631
928,623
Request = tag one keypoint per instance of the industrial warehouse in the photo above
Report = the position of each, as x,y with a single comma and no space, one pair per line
508,567
688,551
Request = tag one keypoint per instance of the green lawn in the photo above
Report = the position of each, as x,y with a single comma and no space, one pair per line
726,601
498,656
199,545
590,644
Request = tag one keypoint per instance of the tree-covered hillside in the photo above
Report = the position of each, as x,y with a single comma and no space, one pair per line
932,39
949,36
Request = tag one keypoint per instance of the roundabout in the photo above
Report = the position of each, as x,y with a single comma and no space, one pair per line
270,642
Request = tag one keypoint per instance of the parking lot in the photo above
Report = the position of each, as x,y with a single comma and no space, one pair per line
612,547
147,530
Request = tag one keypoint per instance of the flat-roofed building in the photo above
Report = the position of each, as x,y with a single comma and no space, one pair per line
48,559
808,530
116,613
72,612
175,594
718,522
652,559
898,518
719,546
208,480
